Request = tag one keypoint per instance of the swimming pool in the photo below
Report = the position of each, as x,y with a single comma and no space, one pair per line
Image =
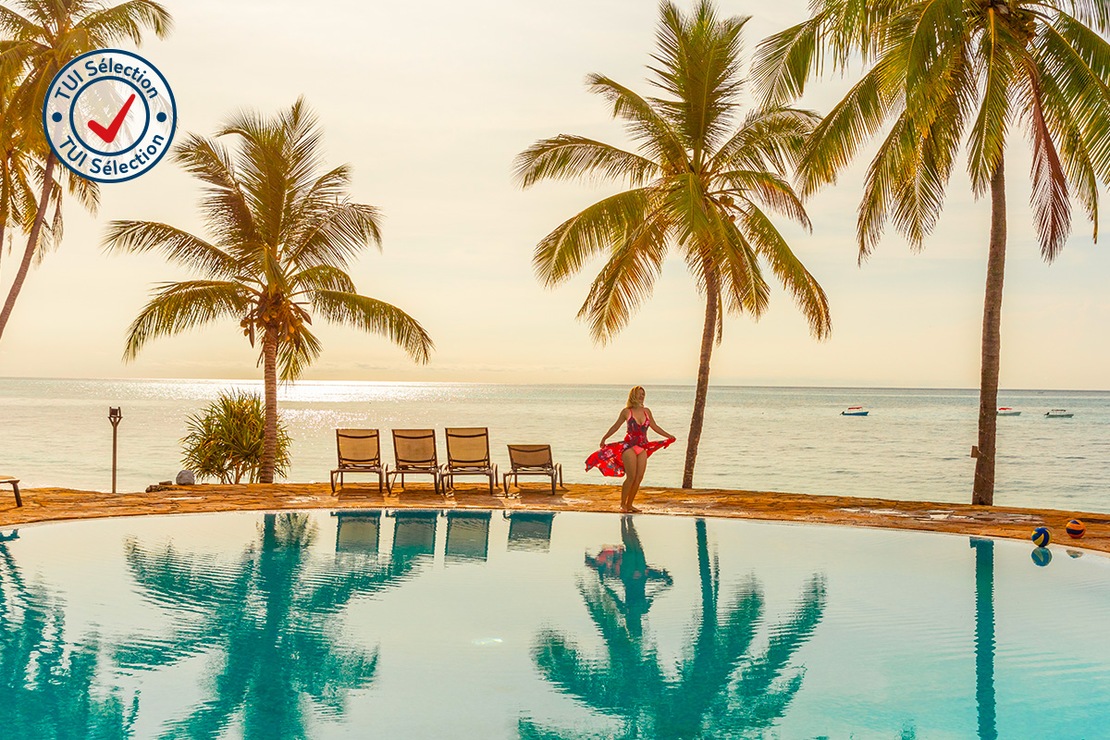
413,624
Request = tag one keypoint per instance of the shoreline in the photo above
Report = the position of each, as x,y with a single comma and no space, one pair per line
44,505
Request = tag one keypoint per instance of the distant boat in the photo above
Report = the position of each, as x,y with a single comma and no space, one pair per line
1058,414
854,411
1007,411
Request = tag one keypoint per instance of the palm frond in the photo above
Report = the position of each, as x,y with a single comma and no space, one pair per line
376,317
178,307
698,66
569,157
562,253
333,235
126,21
808,295
1049,198
648,128
784,61
769,138
988,134
625,281
321,277
173,244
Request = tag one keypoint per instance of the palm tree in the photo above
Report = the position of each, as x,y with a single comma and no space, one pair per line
17,197
697,184
945,72
283,234
719,681
272,615
48,684
36,45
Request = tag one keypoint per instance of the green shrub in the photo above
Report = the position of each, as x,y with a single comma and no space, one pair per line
225,440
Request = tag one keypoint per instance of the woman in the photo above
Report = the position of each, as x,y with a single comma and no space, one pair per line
629,458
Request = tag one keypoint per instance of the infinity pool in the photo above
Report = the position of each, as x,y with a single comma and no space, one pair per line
414,624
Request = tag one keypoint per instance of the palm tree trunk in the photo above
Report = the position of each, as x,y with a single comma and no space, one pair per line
983,490
32,243
269,443
707,336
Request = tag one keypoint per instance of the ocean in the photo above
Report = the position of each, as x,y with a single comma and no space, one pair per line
914,445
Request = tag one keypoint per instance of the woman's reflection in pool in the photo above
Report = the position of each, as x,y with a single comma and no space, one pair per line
627,564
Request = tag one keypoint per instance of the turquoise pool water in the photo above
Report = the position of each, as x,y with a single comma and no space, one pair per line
407,624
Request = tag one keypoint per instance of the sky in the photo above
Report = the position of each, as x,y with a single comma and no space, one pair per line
429,103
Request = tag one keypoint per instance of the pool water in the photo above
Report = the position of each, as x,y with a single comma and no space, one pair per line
413,624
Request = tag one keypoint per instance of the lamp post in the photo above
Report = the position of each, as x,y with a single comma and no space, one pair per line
114,416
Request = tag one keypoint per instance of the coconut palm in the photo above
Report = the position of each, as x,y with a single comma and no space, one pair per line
719,681
272,615
702,183
283,234
35,45
940,73
17,196
48,684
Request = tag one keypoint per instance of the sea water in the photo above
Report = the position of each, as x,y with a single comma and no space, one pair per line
915,444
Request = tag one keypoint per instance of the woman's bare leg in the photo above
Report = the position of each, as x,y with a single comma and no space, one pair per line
641,467
628,457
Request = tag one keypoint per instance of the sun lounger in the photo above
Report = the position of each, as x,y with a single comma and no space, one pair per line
468,454
415,453
358,531
467,535
14,483
414,534
359,451
532,460
529,531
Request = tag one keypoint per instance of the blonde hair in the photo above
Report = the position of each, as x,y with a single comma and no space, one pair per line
632,402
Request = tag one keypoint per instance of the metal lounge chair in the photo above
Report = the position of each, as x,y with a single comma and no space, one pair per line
532,460
468,454
359,451
6,480
415,453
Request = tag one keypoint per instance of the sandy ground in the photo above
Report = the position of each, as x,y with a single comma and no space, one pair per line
52,504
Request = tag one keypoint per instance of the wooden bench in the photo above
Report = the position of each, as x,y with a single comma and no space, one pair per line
14,483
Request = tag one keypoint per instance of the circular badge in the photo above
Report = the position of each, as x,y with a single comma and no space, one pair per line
109,115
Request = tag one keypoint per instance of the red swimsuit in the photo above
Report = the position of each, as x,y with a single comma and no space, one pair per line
609,459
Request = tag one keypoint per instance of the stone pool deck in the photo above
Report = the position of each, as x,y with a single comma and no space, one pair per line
56,504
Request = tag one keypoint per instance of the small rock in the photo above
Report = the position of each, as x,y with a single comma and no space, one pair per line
186,478
165,482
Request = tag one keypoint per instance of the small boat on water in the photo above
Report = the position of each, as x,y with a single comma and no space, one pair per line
1007,411
854,411
1058,414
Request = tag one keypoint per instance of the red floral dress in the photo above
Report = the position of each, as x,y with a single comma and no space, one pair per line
608,459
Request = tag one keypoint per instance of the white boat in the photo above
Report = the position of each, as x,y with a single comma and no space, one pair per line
1058,414
1007,411
854,411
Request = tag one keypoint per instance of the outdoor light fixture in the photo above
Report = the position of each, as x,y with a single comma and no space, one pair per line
114,416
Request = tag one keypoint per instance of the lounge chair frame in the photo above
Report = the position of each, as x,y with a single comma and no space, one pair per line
14,483
410,463
468,454
351,460
532,460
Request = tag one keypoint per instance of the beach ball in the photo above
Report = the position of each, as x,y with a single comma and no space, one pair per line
1042,556
1041,537
1076,528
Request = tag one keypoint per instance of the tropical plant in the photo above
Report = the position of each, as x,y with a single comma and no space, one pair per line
946,72
698,184
225,440
283,235
272,615
48,685
34,46
719,681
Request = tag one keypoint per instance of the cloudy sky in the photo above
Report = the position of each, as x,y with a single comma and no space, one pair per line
429,102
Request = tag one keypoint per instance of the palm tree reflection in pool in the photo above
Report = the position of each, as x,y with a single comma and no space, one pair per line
46,684
270,615
719,683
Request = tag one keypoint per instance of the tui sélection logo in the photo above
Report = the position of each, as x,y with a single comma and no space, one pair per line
109,115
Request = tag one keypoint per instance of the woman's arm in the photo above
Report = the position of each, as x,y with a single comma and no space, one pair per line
658,429
616,425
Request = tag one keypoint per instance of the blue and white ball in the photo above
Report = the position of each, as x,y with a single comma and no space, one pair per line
1041,537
